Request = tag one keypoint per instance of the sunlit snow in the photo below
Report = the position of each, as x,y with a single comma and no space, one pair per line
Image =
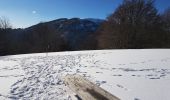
127,74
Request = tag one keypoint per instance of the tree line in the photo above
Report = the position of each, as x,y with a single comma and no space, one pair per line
40,38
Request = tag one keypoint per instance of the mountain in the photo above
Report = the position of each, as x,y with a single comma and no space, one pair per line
58,35
74,31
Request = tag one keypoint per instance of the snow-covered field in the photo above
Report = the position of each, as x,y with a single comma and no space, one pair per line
127,74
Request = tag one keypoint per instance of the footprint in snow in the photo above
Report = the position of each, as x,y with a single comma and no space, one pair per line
120,86
100,82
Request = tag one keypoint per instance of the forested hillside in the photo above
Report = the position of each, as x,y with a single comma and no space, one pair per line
58,35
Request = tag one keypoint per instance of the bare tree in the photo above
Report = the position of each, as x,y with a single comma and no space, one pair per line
4,23
166,24
134,24
166,19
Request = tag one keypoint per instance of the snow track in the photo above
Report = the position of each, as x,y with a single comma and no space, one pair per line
127,74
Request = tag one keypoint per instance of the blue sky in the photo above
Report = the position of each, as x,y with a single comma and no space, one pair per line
24,13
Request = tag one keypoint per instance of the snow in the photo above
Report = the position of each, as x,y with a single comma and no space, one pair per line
128,74
95,20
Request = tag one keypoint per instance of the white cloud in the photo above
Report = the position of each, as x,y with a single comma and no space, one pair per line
34,12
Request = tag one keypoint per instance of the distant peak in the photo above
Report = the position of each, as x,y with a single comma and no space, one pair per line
95,20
